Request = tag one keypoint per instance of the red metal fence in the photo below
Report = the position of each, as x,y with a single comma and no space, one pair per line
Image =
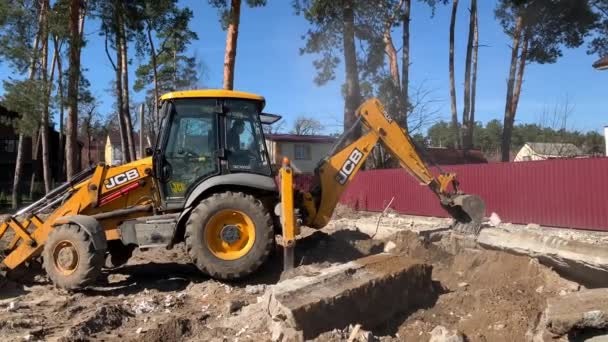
561,193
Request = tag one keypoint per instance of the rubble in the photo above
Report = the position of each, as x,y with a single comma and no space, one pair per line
583,262
583,310
234,306
442,334
105,317
255,289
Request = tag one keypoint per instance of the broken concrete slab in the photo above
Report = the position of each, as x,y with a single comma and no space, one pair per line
370,291
582,262
388,226
583,310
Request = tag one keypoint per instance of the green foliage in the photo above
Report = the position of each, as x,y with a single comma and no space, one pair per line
24,97
18,28
324,37
223,6
59,19
175,69
599,43
549,24
488,138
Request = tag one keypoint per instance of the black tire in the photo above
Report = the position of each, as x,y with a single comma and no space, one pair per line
89,260
201,254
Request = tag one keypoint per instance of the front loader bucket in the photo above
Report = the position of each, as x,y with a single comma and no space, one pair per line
468,212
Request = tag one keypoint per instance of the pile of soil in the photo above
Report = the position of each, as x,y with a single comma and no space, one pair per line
487,295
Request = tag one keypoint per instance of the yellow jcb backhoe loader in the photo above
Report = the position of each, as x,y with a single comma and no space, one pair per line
208,182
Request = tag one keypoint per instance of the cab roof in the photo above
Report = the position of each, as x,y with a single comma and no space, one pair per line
216,93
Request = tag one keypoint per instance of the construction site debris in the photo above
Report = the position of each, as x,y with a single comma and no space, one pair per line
494,220
579,311
234,306
255,289
103,318
442,334
504,299
583,262
370,290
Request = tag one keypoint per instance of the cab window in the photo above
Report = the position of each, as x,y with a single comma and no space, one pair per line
244,138
191,145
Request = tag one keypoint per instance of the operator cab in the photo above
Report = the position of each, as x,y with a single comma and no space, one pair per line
207,133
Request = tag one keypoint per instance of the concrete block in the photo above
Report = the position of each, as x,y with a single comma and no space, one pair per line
368,291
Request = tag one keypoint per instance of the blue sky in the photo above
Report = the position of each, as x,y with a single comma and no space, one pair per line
269,63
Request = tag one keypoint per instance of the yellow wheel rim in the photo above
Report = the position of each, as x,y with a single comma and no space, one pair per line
65,257
229,234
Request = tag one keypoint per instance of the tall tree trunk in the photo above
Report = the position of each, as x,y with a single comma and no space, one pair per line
455,130
16,194
467,139
155,114
122,126
509,118
352,99
405,62
520,74
44,122
474,75
71,146
232,36
57,48
125,89
36,139
396,105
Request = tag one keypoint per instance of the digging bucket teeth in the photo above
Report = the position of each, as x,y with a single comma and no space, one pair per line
468,212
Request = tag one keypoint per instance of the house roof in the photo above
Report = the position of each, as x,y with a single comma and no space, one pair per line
301,138
601,63
115,137
555,149
450,156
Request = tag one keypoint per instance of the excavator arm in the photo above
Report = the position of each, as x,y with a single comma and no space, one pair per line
336,171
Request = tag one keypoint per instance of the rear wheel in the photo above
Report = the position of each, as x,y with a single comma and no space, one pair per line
70,259
229,235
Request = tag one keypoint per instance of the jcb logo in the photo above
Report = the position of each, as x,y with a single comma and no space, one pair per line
387,116
121,178
349,166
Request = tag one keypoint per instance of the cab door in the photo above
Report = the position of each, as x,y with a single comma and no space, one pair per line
188,150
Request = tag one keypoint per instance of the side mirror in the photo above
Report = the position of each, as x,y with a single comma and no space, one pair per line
149,151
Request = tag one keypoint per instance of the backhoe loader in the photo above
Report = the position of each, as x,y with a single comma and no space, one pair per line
208,182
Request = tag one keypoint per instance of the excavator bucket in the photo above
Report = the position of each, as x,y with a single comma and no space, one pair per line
468,212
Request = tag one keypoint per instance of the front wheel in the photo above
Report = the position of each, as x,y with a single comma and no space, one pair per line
229,235
70,258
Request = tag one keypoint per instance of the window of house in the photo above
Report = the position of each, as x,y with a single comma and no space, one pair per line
302,152
8,145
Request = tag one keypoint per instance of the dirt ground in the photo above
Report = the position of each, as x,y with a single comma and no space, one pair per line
159,296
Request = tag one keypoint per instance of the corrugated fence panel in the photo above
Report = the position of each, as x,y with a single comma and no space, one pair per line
562,193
